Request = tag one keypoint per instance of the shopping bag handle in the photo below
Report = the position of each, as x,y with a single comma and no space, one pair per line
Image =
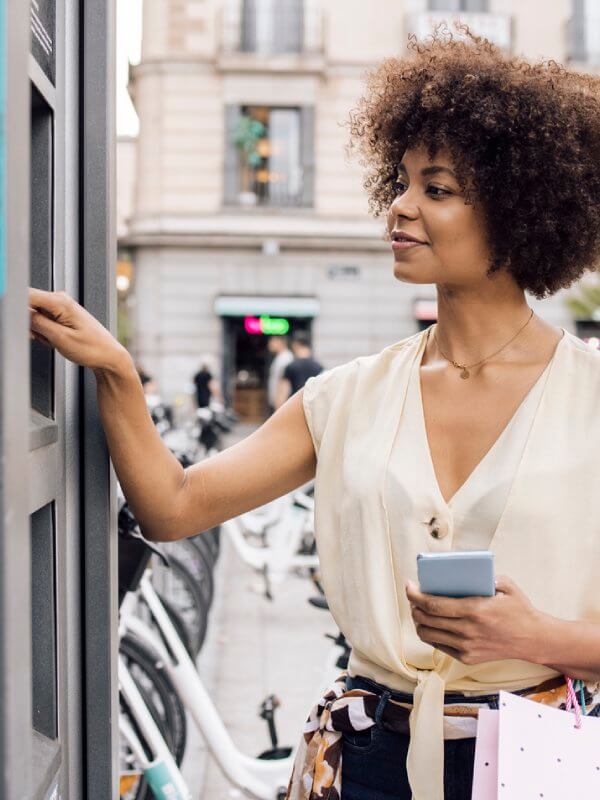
573,702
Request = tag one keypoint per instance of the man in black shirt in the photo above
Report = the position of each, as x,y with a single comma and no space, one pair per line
207,388
299,370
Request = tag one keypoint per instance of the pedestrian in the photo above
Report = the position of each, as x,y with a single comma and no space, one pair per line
480,432
207,387
282,356
299,370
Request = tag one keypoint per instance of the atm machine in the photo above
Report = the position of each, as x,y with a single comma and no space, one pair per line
58,555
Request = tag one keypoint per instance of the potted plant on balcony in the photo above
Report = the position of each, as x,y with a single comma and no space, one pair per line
248,132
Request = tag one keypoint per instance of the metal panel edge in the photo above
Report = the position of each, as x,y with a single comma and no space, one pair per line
97,291
15,603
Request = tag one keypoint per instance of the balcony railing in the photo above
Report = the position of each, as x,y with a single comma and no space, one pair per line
271,27
495,27
282,191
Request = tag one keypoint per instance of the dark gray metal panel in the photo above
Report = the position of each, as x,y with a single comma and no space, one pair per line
42,242
43,35
97,287
15,609
307,116
43,622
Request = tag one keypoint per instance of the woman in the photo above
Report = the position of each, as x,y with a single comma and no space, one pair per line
482,432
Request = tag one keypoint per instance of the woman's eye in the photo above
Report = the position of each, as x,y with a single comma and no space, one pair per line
435,191
438,192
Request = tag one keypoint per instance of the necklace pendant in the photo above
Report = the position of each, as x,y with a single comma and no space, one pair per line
464,373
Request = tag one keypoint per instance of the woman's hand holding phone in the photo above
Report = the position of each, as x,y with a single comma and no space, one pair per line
478,629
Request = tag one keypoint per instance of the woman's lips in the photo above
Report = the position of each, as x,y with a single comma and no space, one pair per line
404,244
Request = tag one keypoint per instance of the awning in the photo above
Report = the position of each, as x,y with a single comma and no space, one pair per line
256,305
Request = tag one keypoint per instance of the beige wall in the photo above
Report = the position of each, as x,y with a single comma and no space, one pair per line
188,249
127,176
181,87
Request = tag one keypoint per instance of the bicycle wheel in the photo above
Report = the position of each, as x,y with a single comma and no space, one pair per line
179,586
132,784
208,543
143,612
162,700
178,624
213,537
158,692
198,562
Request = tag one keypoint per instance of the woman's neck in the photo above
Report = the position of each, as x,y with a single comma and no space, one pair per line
473,324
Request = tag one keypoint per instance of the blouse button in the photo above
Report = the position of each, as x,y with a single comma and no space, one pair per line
437,529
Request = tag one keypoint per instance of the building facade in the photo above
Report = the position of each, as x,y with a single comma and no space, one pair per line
243,213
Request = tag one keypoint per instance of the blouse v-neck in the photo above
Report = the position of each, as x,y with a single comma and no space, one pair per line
513,432
470,517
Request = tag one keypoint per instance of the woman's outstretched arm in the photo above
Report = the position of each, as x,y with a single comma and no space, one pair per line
168,501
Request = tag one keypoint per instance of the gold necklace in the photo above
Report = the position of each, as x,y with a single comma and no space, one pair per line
465,368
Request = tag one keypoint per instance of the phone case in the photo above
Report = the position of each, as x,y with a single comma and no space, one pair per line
457,574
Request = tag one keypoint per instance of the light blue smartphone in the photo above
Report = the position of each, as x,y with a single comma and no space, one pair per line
467,573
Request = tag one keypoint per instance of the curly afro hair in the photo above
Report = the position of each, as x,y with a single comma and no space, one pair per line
524,138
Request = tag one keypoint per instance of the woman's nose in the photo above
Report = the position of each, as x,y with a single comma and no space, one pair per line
404,205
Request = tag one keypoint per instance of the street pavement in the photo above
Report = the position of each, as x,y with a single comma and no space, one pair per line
255,648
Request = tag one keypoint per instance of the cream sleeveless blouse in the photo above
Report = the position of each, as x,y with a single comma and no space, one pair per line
546,534
471,516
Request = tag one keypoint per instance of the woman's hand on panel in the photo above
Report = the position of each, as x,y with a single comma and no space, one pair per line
478,629
59,321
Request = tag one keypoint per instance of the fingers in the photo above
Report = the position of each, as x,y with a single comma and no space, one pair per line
45,329
37,337
53,303
450,651
441,606
504,585
436,637
441,623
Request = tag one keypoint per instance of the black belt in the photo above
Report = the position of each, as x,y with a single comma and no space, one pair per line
450,698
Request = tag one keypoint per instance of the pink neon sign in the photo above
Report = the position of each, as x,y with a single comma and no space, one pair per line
252,325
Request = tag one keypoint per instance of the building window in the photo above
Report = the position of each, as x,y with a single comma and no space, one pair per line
272,26
585,31
270,156
459,5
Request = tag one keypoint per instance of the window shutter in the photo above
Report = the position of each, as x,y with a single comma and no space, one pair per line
248,31
289,27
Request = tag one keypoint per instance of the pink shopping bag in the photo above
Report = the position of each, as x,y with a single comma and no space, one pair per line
485,778
540,753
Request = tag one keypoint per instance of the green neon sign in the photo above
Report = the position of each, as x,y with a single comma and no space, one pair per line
270,326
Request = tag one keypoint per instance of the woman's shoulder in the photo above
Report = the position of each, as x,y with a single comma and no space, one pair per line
586,355
367,364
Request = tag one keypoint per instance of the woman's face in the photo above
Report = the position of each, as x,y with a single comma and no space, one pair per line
430,207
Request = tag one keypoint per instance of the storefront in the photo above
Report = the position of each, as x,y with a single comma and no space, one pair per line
248,322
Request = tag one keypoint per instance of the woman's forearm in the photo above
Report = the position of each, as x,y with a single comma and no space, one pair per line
572,648
150,476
